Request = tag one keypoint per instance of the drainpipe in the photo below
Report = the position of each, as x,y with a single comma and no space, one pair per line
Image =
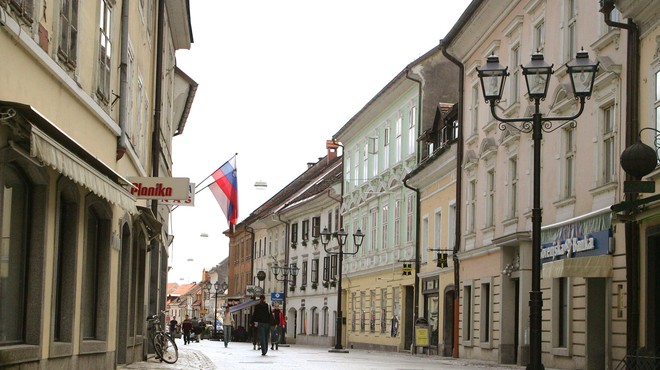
632,229
459,183
250,231
286,263
123,84
417,205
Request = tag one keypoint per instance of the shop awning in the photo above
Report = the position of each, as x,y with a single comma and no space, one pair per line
55,148
585,267
246,304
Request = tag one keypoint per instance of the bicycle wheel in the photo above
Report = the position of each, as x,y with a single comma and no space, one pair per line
166,348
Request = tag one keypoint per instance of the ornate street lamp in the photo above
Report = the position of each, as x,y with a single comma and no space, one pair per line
537,74
218,289
341,237
285,271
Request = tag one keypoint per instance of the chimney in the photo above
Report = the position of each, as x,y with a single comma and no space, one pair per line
332,147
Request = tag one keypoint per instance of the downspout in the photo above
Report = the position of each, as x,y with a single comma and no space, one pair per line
250,231
417,201
632,229
123,82
459,184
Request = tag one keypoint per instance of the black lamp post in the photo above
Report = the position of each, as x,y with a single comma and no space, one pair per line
341,236
537,74
285,271
219,287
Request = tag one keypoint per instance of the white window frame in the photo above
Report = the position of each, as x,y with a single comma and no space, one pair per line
398,139
412,124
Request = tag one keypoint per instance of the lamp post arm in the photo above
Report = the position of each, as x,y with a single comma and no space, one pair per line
526,121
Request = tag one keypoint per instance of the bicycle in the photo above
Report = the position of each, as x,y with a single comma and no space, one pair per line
164,345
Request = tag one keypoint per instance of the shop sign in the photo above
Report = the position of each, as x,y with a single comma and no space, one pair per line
161,188
592,244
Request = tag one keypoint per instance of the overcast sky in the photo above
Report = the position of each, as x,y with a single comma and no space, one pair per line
277,78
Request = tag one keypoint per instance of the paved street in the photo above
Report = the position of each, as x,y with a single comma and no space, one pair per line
209,355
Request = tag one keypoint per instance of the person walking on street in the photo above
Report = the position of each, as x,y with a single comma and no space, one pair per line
278,326
199,329
262,319
173,324
227,323
187,327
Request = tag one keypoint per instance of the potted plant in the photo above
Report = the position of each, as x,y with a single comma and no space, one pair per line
304,243
292,288
315,241
293,245
315,285
326,284
333,283
302,287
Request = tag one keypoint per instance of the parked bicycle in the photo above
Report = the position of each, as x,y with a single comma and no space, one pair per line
164,345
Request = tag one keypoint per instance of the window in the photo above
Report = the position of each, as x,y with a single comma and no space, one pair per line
514,84
471,205
374,226
561,311
374,155
353,312
303,274
412,135
397,222
570,33
410,223
326,268
386,148
96,269
305,230
437,230
316,226
292,278
68,48
474,110
608,151
372,313
105,52
330,221
365,162
23,8
451,227
513,188
333,266
397,144
385,216
396,312
294,233
347,175
315,321
315,271
356,167
538,36
569,163
485,308
363,323
64,261
425,238
383,310
490,198
14,262
467,313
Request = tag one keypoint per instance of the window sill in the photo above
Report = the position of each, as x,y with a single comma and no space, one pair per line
565,352
17,354
93,346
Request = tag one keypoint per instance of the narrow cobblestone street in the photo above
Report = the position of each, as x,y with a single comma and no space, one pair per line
209,355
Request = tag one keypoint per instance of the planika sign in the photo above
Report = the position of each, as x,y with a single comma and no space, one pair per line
161,188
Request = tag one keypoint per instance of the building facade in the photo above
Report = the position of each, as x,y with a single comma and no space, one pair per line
85,104
583,260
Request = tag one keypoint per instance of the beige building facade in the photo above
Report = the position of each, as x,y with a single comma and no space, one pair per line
84,261
580,181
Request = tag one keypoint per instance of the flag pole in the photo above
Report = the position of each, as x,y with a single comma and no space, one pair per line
207,177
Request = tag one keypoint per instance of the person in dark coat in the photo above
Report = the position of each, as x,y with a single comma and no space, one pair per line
261,319
187,327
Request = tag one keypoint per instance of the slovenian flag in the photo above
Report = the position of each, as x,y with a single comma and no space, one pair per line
225,189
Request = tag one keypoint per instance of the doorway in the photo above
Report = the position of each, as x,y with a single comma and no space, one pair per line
597,323
448,325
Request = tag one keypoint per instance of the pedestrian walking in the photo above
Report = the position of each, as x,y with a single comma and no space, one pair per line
199,329
262,319
187,327
278,326
227,323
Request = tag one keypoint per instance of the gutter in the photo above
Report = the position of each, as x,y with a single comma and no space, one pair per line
459,182
123,83
632,228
